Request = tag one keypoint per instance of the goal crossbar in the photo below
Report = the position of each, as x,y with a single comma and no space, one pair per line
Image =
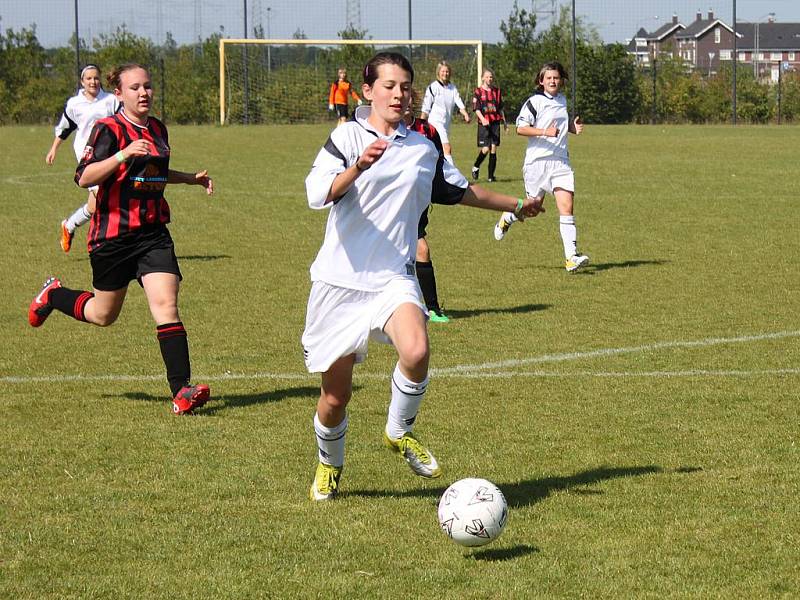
280,42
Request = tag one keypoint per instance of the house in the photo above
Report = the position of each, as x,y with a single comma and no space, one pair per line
705,43
644,45
769,46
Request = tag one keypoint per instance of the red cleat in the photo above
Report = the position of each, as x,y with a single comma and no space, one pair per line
40,307
189,398
66,237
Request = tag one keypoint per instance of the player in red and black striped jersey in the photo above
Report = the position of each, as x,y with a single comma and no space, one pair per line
487,102
127,156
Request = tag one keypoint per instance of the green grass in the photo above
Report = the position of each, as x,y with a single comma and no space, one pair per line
646,436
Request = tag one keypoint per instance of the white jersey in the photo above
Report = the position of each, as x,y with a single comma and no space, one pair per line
79,116
540,111
371,235
439,102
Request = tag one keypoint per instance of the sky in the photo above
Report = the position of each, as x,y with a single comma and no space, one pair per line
188,20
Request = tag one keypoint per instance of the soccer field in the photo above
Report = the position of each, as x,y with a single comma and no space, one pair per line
640,416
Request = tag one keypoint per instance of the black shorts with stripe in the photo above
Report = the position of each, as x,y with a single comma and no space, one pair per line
118,261
342,111
489,136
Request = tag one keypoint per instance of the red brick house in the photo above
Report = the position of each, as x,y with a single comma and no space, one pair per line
705,43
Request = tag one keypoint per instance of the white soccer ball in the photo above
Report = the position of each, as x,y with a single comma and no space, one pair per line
473,512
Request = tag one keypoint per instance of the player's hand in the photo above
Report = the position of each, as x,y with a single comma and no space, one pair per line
371,154
505,126
578,125
359,102
202,178
50,158
530,208
551,131
330,106
138,148
466,118
485,122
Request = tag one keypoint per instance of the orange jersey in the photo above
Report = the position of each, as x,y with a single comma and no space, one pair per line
339,91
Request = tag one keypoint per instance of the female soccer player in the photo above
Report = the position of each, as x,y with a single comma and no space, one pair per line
487,102
128,158
377,178
545,122
441,97
80,113
338,98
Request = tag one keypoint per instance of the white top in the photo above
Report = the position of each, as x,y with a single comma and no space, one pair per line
80,114
439,101
371,235
539,111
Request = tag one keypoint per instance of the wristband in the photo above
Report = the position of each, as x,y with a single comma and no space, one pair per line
120,157
518,210
360,170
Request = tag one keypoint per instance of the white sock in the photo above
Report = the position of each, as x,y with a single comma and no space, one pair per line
406,398
78,218
330,441
449,158
569,235
510,217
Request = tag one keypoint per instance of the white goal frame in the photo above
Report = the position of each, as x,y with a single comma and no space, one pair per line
276,42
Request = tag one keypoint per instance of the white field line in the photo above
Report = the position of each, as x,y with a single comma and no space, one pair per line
486,370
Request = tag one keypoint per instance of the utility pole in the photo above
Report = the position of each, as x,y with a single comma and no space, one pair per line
735,62
77,42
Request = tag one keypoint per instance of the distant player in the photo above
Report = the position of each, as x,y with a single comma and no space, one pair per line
80,113
487,102
441,97
545,122
339,97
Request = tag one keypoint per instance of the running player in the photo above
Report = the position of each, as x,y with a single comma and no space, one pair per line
441,97
128,157
544,120
80,113
487,102
339,96
377,178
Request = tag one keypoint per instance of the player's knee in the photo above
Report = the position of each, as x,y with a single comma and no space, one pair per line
104,318
415,355
336,399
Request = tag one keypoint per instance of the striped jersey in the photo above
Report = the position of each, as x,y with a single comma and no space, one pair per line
371,233
80,114
439,101
489,102
131,199
540,111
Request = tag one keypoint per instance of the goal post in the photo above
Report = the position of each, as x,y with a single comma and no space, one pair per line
288,80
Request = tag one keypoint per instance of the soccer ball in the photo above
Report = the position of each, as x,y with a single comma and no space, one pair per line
473,512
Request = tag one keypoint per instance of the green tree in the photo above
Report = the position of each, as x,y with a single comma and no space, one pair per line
608,86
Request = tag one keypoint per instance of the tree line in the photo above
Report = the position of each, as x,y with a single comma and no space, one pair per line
611,88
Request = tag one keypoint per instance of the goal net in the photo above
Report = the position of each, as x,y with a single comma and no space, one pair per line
289,81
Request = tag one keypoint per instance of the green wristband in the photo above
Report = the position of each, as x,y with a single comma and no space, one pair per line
519,206
120,157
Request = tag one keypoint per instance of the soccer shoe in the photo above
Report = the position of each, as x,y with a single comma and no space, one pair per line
575,262
190,397
491,179
501,227
475,172
419,458
66,237
326,482
437,316
40,307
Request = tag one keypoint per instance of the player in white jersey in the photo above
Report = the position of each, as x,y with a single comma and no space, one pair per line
90,104
544,120
441,97
376,177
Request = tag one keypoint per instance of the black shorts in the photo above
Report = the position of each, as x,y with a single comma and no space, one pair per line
423,224
489,136
342,110
118,261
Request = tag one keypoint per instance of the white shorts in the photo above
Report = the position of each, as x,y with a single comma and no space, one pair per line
544,175
441,129
341,321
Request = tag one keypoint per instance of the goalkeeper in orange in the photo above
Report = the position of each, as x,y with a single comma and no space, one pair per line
338,97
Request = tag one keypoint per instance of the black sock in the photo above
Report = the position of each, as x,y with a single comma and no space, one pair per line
70,302
175,352
492,164
479,160
427,282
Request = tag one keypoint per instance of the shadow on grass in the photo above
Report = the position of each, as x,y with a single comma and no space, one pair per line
204,257
498,554
531,491
222,402
625,264
525,308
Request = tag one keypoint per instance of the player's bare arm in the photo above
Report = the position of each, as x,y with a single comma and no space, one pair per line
346,178
482,198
